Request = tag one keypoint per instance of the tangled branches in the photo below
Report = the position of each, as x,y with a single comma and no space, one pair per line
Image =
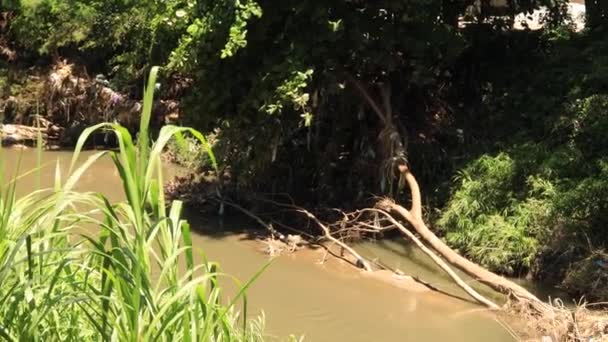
563,323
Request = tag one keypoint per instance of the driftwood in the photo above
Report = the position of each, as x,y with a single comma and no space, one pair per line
551,321
20,134
352,222
361,262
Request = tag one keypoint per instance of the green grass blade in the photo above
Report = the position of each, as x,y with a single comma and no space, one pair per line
144,127
185,227
82,139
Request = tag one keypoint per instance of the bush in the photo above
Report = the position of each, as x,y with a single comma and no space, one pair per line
538,200
506,207
188,152
491,223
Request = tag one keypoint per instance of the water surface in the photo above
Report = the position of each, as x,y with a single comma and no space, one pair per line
299,295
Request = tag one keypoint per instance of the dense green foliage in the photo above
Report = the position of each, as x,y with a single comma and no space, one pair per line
492,223
126,282
518,116
538,201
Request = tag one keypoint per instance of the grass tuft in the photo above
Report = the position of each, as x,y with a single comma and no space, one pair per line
126,283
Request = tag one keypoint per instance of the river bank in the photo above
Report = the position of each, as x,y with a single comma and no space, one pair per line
60,99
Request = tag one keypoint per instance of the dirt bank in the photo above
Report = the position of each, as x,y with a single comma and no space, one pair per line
63,99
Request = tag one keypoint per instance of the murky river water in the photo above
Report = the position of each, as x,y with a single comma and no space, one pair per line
301,296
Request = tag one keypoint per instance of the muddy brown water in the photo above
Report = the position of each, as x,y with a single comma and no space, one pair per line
298,294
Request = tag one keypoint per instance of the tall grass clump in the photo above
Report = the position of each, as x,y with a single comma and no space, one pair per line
134,280
492,224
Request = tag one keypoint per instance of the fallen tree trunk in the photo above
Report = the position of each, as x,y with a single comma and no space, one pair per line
395,154
414,217
441,263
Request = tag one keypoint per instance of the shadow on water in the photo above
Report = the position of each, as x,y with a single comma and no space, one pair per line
221,227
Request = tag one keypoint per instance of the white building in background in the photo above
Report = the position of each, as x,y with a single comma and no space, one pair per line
533,21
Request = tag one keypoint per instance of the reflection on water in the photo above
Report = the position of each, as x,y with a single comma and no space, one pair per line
324,302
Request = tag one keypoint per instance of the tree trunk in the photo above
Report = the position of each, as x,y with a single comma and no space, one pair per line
441,263
390,148
494,281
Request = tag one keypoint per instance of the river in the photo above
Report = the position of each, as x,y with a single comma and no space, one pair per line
300,295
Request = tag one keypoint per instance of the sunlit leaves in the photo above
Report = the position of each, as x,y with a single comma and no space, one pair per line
245,11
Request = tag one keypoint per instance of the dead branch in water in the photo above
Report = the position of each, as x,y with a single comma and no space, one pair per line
553,321
494,281
352,222
444,266
327,233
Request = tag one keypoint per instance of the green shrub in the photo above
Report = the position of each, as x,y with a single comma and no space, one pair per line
537,199
507,209
492,223
187,152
